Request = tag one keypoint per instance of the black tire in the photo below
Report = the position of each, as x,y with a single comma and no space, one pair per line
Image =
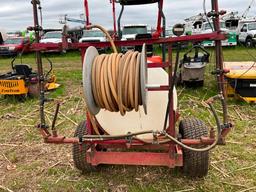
195,164
200,83
194,84
79,154
249,43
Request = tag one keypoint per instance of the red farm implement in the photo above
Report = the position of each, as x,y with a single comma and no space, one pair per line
95,144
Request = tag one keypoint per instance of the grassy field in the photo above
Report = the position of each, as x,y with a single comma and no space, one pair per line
26,164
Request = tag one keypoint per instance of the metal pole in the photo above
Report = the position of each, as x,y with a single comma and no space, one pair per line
114,16
159,20
37,29
119,23
86,7
163,29
219,62
171,129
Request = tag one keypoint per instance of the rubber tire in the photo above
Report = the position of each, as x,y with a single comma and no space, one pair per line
194,84
79,155
249,43
195,164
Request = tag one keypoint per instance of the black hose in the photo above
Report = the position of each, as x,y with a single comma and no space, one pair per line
50,63
172,86
115,137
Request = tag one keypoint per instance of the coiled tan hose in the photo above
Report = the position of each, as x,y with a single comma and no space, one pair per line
116,79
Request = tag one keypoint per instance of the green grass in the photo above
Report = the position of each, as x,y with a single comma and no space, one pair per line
42,167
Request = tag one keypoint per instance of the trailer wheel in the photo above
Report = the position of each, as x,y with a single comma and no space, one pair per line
79,152
195,164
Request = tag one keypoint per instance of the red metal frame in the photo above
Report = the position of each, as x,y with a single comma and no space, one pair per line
134,158
159,22
83,46
114,18
86,8
171,154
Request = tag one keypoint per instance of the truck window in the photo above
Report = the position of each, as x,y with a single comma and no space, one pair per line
13,41
232,24
244,28
53,35
198,25
134,30
207,26
252,26
90,33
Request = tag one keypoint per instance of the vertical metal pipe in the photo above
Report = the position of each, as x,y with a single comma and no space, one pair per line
119,23
114,16
219,62
159,19
39,65
163,29
171,129
86,7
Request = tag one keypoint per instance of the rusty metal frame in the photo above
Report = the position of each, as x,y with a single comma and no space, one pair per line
171,154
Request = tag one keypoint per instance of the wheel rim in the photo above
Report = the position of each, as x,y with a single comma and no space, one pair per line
249,43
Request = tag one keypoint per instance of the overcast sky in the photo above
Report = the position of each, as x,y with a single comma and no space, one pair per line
17,14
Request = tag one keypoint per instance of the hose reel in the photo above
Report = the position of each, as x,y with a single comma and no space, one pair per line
115,82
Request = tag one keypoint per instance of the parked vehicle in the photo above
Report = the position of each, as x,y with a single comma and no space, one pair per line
248,34
52,37
231,20
13,46
12,34
93,36
234,22
230,41
199,25
194,24
132,32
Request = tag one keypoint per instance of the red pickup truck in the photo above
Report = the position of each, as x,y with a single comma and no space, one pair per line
13,46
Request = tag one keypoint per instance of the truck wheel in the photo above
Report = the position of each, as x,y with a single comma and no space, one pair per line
249,43
79,152
195,164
